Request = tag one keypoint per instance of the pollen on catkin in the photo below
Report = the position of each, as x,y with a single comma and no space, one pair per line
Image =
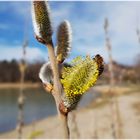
41,20
76,80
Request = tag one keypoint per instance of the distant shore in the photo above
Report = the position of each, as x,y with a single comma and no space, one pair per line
17,85
101,88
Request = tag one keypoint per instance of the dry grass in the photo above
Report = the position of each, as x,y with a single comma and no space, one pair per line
136,107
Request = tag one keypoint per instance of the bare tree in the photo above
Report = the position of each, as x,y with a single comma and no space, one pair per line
138,34
114,101
21,97
137,67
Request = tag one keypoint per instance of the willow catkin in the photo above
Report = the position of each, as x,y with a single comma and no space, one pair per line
63,41
41,21
46,74
76,80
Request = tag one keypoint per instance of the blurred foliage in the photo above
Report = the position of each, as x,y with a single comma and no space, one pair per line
9,71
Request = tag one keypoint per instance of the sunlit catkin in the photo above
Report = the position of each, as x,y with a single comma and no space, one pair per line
76,80
41,21
63,41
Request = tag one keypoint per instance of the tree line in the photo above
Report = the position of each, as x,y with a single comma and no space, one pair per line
10,72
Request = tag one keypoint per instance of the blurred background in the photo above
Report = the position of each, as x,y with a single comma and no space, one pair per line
111,29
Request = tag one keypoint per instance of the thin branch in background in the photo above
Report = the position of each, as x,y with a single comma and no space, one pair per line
95,136
111,75
114,100
118,119
73,123
109,50
101,68
21,97
138,32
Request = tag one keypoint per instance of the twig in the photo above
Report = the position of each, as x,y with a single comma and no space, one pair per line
21,98
43,33
57,89
74,129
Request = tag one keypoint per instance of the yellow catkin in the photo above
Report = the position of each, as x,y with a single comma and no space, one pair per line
79,78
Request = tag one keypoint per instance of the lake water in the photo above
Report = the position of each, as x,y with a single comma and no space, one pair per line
38,105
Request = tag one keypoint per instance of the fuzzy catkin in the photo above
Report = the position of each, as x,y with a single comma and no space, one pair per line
79,78
63,41
41,20
46,74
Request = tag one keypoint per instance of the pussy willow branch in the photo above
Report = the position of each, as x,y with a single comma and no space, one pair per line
74,128
57,91
43,31
20,107
21,97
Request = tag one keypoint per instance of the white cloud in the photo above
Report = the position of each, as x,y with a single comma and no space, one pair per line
10,52
4,26
123,21
60,14
92,51
21,8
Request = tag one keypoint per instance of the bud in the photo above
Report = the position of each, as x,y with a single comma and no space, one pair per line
41,21
63,41
46,74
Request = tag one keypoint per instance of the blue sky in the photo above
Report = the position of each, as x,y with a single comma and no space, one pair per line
86,18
